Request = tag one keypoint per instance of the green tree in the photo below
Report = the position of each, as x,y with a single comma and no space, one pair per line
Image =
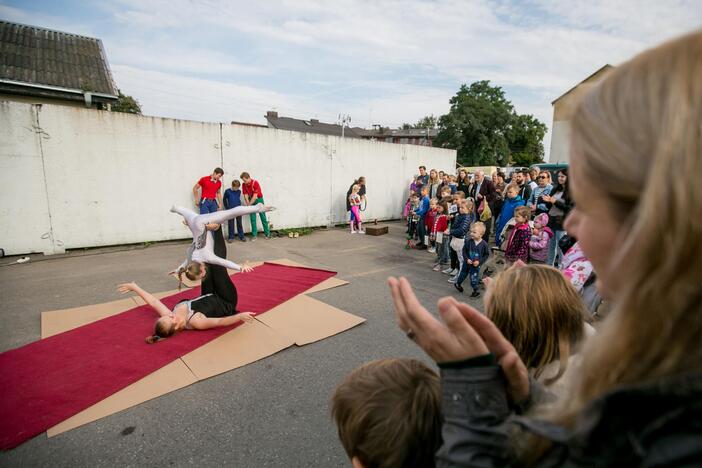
476,125
525,138
126,104
428,121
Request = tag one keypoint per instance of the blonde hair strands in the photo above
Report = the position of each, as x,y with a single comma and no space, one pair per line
639,136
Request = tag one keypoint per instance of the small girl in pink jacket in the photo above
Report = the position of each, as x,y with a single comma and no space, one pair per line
540,236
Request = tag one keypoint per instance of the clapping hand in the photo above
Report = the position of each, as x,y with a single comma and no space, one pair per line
465,333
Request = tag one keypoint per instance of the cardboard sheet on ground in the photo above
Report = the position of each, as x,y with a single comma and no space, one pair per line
169,378
309,320
306,320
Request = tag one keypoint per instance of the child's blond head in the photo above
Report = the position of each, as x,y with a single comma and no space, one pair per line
539,312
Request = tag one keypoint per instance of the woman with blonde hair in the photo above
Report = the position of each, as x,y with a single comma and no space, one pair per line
636,149
434,184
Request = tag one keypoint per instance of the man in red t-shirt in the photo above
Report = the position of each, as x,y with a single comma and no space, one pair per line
253,196
210,198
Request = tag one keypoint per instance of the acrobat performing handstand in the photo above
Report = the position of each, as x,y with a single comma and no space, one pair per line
201,251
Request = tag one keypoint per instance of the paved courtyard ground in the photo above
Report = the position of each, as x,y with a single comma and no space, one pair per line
272,413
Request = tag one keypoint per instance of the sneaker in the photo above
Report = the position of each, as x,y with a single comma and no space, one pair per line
460,288
253,239
361,232
447,271
475,293
431,250
229,241
437,268
452,279
454,272
242,239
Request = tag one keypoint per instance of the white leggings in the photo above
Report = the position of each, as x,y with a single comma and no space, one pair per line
202,248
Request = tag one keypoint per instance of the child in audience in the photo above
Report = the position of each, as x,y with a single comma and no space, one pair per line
475,254
518,242
543,317
429,223
421,212
512,201
540,236
440,234
232,199
355,202
458,234
388,414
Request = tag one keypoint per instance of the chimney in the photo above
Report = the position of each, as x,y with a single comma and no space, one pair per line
272,114
314,121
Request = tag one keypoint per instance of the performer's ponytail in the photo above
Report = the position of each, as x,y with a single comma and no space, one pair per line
164,328
153,339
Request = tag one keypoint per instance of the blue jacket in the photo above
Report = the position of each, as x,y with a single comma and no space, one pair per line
506,214
479,252
461,224
232,198
423,207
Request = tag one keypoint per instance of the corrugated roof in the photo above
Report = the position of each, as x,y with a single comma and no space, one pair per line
45,57
309,126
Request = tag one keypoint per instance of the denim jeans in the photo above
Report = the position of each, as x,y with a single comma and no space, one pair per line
442,251
468,269
553,250
239,228
208,205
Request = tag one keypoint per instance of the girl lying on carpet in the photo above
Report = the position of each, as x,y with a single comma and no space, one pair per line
201,313
202,249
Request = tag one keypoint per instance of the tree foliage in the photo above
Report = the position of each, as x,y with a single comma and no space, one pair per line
428,121
484,129
126,104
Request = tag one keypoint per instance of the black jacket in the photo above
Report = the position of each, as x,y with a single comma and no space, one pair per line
658,424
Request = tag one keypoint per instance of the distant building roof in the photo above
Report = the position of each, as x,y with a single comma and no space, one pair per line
399,133
604,68
34,59
307,126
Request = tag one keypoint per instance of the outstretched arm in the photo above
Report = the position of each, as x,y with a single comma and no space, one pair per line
200,322
215,260
155,304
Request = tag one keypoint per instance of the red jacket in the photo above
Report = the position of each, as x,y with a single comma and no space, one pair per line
440,224
429,219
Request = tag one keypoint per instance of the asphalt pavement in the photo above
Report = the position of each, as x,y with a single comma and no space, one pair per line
271,413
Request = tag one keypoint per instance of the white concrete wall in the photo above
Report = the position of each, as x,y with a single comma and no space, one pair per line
110,178
560,142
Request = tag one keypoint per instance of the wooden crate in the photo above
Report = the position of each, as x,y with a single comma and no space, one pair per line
376,230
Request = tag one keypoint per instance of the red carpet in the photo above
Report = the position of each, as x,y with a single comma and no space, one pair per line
46,382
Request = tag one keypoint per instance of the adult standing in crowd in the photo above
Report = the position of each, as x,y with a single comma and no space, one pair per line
423,175
483,192
433,184
636,400
559,205
207,192
361,182
524,187
463,182
253,196
500,187
532,178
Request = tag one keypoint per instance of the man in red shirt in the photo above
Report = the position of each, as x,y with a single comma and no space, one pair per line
210,198
253,196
